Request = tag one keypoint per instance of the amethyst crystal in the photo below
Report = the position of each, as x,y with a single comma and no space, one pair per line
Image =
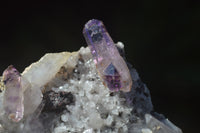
13,97
110,65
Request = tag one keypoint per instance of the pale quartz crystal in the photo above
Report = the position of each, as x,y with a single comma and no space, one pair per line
13,96
110,65
160,127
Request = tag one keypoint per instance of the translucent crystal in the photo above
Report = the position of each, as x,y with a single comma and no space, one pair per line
160,127
13,97
110,65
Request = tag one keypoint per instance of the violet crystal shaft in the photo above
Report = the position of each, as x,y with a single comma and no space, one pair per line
110,65
13,97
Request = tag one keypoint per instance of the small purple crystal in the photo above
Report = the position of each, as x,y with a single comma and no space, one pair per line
110,65
13,96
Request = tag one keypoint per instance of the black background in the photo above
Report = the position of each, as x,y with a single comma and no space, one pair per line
161,40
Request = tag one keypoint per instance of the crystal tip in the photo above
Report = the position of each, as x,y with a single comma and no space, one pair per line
10,73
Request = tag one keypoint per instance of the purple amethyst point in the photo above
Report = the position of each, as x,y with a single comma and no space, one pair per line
13,96
111,66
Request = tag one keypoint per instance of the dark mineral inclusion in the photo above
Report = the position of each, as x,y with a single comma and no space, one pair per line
57,101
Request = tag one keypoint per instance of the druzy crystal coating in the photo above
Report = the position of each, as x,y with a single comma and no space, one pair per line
110,65
13,97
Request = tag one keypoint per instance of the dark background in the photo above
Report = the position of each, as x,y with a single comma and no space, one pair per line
161,40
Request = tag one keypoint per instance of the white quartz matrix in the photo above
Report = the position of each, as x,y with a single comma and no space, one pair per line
94,108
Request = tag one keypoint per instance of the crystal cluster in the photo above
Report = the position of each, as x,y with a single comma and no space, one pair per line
110,65
74,98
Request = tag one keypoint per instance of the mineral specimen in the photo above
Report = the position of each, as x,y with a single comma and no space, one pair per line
13,97
76,100
110,65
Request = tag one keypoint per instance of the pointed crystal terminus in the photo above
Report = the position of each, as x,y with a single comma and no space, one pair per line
110,65
13,97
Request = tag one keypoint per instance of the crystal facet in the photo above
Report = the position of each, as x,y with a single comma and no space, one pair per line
112,78
110,65
13,97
